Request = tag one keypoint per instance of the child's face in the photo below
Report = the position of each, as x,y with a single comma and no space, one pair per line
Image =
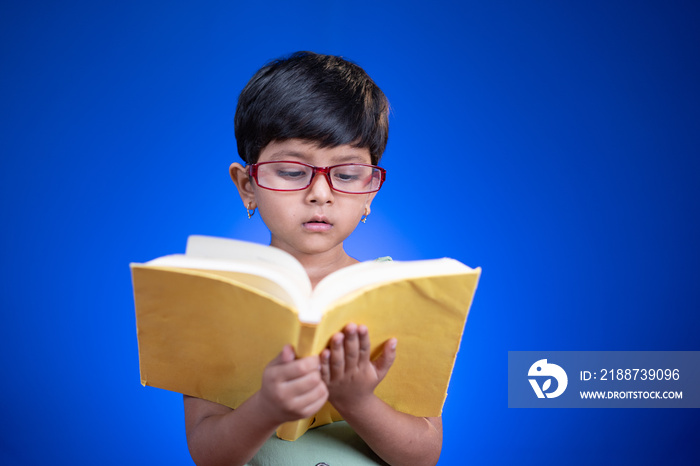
315,220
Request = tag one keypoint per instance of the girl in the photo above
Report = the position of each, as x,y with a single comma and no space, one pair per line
311,129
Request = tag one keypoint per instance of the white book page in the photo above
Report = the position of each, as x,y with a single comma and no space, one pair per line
370,274
236,250
274,276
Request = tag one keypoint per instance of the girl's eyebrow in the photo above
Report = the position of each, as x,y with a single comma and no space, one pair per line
350,158
302,157
285,154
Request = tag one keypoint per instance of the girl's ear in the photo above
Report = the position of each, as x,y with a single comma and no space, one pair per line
370,198
240,178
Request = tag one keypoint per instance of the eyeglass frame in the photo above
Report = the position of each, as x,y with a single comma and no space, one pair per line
253,172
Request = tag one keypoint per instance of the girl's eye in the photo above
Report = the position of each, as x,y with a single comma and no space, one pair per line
290,173
345,177
348,174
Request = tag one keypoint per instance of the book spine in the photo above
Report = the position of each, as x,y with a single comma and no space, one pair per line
293,430
306,343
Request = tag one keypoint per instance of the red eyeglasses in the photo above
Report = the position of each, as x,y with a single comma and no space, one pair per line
351,178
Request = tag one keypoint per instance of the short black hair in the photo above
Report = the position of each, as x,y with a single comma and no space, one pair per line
321,98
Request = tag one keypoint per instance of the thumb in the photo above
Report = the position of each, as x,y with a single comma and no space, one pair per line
285,356
386,359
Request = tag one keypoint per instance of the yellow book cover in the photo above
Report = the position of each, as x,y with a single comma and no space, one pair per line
209,321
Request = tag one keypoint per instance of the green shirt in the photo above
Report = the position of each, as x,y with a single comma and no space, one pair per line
334,444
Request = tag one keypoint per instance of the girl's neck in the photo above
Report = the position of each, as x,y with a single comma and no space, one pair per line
318,272
318,266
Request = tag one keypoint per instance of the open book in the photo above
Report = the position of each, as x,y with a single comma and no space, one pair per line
210,320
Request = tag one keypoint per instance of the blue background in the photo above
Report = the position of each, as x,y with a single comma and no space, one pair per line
554,144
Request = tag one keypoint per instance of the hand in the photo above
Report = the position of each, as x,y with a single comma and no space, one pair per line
347,370
292,388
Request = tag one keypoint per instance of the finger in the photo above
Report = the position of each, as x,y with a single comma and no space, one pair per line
386,359
283,357
287,354
310,402
351,346
337,359
325,366
296,368
303,384
365,346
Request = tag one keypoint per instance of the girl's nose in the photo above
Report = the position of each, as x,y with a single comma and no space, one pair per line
320,189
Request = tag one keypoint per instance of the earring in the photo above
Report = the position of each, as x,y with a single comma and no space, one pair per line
250,210
364,219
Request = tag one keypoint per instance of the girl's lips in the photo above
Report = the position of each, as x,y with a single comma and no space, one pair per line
317,226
